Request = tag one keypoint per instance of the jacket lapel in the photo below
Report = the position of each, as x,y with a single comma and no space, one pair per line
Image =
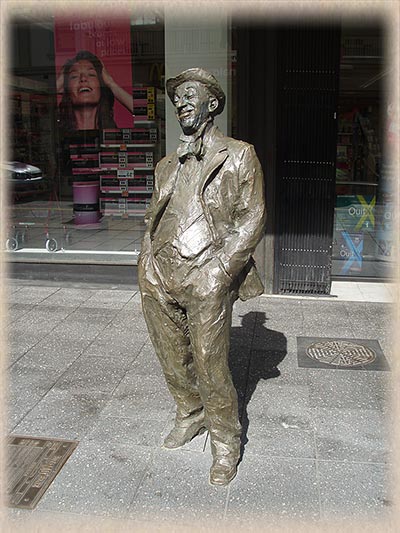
167,176
214,157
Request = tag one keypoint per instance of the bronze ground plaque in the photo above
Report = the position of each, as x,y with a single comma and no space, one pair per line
32,465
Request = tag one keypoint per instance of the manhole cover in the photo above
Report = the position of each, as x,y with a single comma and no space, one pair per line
341,353
32,464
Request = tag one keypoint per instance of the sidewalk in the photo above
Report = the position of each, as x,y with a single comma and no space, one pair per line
316,440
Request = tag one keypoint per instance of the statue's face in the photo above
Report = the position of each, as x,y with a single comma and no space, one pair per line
193,104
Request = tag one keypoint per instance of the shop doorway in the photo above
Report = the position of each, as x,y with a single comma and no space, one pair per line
287,84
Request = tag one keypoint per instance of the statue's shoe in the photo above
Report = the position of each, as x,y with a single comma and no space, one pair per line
223,471
180,435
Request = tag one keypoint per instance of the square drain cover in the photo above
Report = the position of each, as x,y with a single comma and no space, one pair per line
32,464
343,354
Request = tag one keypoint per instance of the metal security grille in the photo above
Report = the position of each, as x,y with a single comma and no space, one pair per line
307,86
362,47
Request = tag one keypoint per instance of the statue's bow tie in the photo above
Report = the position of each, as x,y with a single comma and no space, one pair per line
187,148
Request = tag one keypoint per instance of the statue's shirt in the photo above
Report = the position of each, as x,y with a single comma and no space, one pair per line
183,224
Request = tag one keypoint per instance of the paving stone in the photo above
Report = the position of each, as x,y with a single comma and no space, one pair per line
39,321
93,316
107,298
330,308
272,489
20,400
314,328
55,352
274,437
135,302
94,374
271,397
84,324
139,431
26,379
141,394
380,311
98,479
12,286
352,435
177,490
108,344
130,320
241,337
239,317
239,372
68,297
16,311
288,404
269,339
280,316
354,490
31,294
342,389
63,414
18,520
146,363
18,347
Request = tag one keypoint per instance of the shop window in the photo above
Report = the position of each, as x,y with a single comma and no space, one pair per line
363,241
82,191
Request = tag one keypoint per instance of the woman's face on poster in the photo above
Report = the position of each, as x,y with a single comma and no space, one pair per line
83,84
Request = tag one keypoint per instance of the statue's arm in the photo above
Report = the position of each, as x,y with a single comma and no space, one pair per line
148,217
248,216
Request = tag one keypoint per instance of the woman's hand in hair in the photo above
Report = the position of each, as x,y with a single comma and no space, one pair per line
108,80
120,94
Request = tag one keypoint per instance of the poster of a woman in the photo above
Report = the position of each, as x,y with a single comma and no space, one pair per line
88,94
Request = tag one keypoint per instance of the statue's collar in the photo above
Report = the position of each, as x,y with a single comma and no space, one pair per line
197,144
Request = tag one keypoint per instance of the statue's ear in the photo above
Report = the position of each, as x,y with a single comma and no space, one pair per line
212,104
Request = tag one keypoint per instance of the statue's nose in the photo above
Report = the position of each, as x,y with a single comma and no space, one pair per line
181,102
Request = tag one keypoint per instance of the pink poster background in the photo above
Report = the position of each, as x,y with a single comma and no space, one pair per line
109,39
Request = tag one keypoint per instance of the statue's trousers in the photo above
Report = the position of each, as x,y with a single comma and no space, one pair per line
190,333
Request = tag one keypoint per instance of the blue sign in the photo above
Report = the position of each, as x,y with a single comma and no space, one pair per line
350,251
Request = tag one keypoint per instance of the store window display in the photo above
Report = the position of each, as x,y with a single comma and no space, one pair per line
363,192
102,127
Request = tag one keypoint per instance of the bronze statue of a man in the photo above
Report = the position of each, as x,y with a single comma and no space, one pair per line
204,221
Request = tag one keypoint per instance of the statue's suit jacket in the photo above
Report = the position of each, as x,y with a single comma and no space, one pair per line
231,192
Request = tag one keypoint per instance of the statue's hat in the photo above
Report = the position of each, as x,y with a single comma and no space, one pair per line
202,76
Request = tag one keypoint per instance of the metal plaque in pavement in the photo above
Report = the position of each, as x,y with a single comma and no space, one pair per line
341,354
32,465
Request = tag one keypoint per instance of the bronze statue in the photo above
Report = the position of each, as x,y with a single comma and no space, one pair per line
204,221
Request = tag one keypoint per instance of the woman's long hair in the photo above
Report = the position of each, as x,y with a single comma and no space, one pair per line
105,109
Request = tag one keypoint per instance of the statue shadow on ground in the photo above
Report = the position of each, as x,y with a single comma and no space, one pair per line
255,354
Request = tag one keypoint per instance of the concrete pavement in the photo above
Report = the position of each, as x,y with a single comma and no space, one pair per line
316,441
